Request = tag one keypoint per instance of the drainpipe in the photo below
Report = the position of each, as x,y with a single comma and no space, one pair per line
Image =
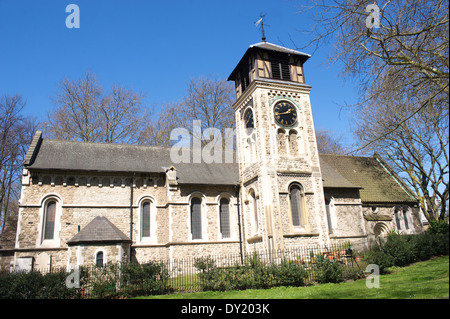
239,222
131,212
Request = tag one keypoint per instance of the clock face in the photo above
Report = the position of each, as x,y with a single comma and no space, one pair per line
248,119
285,113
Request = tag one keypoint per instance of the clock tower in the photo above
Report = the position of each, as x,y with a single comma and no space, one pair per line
279,168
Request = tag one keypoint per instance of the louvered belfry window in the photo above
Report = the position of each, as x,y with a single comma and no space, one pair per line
49,227
280,67
196,218
225,218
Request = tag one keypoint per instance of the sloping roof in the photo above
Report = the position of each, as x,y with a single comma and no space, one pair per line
102,157
210,174
99,230
379,184
58,154
277,48
332,179
376,180
266,46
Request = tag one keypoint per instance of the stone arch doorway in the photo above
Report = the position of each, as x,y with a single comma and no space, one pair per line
380,230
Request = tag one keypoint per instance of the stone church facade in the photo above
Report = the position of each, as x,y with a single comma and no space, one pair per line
95,203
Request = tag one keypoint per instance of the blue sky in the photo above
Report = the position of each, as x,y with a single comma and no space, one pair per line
154,47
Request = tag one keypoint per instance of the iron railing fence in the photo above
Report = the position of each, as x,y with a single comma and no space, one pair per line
259,269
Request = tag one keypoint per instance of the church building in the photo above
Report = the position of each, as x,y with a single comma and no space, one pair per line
93,203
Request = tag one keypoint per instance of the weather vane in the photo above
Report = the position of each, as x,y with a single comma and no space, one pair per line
261,21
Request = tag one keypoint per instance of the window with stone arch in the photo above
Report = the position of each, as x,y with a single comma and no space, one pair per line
293,142
249,136
49,220
297,204
145,219
99,258
405,218
224,216
281,141
196,218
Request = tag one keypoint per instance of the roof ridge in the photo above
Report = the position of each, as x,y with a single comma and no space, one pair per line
279,46
350,156
108,144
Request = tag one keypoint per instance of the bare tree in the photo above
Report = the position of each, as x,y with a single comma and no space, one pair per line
123,116
210,101
411,42
157,131
407,53
418,149
402,66
84,113
207,100
16,133
329,143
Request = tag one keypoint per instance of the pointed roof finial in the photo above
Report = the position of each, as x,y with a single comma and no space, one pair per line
261,21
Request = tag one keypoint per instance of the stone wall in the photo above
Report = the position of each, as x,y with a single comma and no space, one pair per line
346,220
381,219
283,156
80,198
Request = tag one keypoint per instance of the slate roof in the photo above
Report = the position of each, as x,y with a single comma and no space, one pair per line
377,181
99,230
66,155
374,178
332,179
102,157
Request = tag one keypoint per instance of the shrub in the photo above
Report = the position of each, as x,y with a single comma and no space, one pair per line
352,274
330,271
34,285
204,264
438,228
143,279
252,275
400,249
289,274
379,257
423,246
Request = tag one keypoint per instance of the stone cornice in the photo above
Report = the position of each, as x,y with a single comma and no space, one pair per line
270,84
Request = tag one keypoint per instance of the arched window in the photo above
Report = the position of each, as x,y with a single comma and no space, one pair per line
196,218
405,218
49,220
281,139
224,211
293,144
296,198
397,219
145,219
99,259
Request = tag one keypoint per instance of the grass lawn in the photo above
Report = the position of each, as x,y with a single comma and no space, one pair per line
422,280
